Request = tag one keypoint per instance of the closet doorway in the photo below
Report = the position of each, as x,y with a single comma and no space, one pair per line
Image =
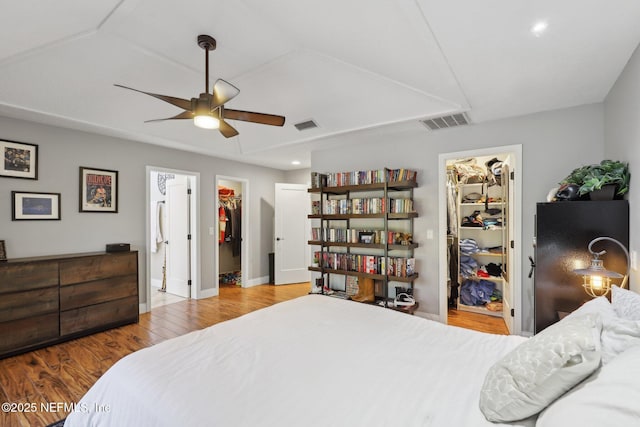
172,230
231,231
480,237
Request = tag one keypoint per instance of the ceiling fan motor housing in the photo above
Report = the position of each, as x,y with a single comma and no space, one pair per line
206,42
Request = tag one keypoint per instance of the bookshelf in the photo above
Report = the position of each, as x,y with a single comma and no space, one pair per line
363,229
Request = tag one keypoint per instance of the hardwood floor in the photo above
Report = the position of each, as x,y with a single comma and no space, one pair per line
477,322
40,383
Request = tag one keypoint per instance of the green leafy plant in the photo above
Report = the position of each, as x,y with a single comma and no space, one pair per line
594,177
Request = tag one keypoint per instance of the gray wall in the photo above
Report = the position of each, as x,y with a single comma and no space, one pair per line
553,143
298,176
62,151
622,139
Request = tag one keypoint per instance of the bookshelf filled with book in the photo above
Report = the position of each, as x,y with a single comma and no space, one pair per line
362,235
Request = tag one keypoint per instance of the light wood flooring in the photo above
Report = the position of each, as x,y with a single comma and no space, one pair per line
61,374
477,322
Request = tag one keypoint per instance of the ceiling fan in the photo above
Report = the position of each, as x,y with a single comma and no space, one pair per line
208,110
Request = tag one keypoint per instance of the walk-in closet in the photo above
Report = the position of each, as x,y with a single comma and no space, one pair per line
478,237
230,232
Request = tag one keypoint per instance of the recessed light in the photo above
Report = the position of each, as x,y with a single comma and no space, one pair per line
295,162
539,28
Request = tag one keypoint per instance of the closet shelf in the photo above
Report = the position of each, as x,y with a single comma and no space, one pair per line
481,204
494,278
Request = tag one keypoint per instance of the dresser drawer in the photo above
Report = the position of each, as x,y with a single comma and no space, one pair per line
98,291
98,267
18,305
99,316
36,330
25,276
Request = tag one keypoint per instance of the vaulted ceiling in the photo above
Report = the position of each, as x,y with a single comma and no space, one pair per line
349,65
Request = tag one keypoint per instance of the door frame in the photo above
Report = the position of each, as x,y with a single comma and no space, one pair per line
244,234
516,271
194,179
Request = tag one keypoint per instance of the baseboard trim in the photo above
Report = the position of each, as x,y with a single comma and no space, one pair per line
255,282
208,293
156,283
426,315
142,307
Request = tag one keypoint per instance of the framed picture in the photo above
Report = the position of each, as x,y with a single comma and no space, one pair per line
98,190
19,160
366,236
26,205
3,251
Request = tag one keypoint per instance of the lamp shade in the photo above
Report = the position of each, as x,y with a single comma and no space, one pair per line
596,279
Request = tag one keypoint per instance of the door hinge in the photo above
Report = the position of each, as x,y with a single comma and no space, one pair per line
512,175
189,190
189,284
188,236
512,244
513,313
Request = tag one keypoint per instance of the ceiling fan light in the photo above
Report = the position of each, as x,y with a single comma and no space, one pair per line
206,121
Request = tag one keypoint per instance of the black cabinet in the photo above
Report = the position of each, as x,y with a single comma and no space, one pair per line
563,233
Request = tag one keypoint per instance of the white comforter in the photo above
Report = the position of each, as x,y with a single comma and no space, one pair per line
312,361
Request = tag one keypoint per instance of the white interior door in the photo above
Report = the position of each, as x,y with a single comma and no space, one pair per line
178,250
507,289
291,228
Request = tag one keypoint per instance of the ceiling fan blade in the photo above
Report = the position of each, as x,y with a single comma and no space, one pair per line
227,130
223,92
185,104
248,116
184,115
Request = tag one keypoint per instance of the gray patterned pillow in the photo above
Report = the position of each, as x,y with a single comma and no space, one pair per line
542,369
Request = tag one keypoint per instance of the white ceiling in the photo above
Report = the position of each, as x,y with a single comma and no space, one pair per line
348,65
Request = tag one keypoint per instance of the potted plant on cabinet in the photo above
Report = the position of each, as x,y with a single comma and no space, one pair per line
604,181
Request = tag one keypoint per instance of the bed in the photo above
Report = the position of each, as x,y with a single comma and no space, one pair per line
311,361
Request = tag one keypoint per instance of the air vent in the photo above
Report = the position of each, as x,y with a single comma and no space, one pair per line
446,121
309,124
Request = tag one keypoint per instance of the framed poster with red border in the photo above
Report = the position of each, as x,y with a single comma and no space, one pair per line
98,190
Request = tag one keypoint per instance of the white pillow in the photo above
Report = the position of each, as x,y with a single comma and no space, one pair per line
607,398
542,369
625,303
600,305
618,334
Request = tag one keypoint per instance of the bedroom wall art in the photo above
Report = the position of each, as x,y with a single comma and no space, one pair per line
98,190
27,205
20,160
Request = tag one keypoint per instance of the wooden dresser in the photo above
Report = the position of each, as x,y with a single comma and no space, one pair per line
46,300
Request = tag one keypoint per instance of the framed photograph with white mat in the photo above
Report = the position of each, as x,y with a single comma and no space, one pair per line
19,160
26,205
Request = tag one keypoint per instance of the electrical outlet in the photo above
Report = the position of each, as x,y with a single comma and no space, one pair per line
429,234
634,260
211,231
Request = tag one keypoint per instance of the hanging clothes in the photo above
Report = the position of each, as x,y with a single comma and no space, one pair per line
222,223
157,225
